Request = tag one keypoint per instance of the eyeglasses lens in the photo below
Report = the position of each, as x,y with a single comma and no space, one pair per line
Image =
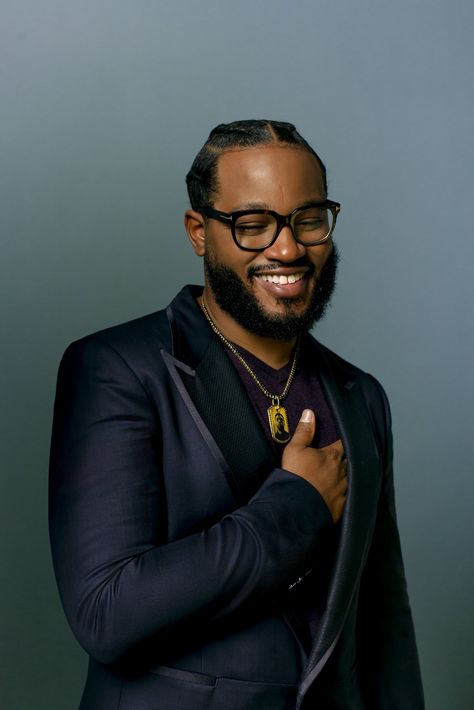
254,231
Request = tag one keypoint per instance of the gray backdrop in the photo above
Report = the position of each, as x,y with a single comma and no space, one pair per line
104,104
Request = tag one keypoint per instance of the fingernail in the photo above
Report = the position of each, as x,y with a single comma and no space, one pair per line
307,416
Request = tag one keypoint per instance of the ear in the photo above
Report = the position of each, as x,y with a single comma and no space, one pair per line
194,225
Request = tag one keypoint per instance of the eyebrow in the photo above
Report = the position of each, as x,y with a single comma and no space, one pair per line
251,206
265,206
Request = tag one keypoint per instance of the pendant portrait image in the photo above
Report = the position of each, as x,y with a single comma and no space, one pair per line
279,424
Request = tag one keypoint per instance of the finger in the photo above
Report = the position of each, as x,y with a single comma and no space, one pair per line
335,449
343,478
305,430
344,467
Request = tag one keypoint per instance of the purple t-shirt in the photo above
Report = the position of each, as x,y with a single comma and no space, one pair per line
305,393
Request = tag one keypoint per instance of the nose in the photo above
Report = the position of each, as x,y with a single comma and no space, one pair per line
285,247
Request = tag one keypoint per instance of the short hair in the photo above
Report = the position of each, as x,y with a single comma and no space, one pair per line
202,181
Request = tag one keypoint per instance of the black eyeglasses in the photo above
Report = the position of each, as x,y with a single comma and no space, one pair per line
256,230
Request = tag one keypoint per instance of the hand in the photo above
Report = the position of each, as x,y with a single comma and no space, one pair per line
325,468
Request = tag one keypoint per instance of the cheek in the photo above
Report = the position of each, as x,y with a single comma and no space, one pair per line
220,245
229,255
319,255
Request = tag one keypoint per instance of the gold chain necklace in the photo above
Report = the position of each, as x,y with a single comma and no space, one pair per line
277,416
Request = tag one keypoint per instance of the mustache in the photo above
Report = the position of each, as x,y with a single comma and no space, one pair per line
274,265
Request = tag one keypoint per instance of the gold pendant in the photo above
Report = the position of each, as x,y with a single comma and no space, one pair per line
278,420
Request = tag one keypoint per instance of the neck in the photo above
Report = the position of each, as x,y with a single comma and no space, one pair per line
275,353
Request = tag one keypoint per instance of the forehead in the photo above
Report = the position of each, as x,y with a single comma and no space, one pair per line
276,177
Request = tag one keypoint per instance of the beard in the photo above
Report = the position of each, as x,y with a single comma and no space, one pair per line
239,301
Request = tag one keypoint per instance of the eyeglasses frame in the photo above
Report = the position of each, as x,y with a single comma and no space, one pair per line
230,218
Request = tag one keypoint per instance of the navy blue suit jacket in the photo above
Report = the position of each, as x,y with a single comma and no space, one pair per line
176,538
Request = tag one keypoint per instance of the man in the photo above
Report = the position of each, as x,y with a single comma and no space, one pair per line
279,428
201,562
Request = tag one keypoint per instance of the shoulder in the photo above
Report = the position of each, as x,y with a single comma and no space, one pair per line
343,369
150,329
133,347
149,334
348,375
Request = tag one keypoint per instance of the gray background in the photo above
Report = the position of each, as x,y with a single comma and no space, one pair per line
103,106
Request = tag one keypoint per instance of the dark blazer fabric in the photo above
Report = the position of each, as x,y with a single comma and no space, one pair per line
175,536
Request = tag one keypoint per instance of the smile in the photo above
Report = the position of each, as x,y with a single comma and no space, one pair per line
281,279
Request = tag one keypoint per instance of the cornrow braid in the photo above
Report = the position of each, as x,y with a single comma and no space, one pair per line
201,180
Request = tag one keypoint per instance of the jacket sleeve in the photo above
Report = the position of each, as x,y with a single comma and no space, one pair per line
388,664
120,581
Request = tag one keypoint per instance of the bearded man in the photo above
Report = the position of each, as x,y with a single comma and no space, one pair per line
222,512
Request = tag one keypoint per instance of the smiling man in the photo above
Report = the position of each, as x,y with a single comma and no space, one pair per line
221,510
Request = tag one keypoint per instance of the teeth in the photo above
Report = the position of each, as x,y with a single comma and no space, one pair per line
282,279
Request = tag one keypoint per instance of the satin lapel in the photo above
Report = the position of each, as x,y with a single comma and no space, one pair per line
223,404
347,403
216,399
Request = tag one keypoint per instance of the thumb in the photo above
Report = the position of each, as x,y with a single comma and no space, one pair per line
305,430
